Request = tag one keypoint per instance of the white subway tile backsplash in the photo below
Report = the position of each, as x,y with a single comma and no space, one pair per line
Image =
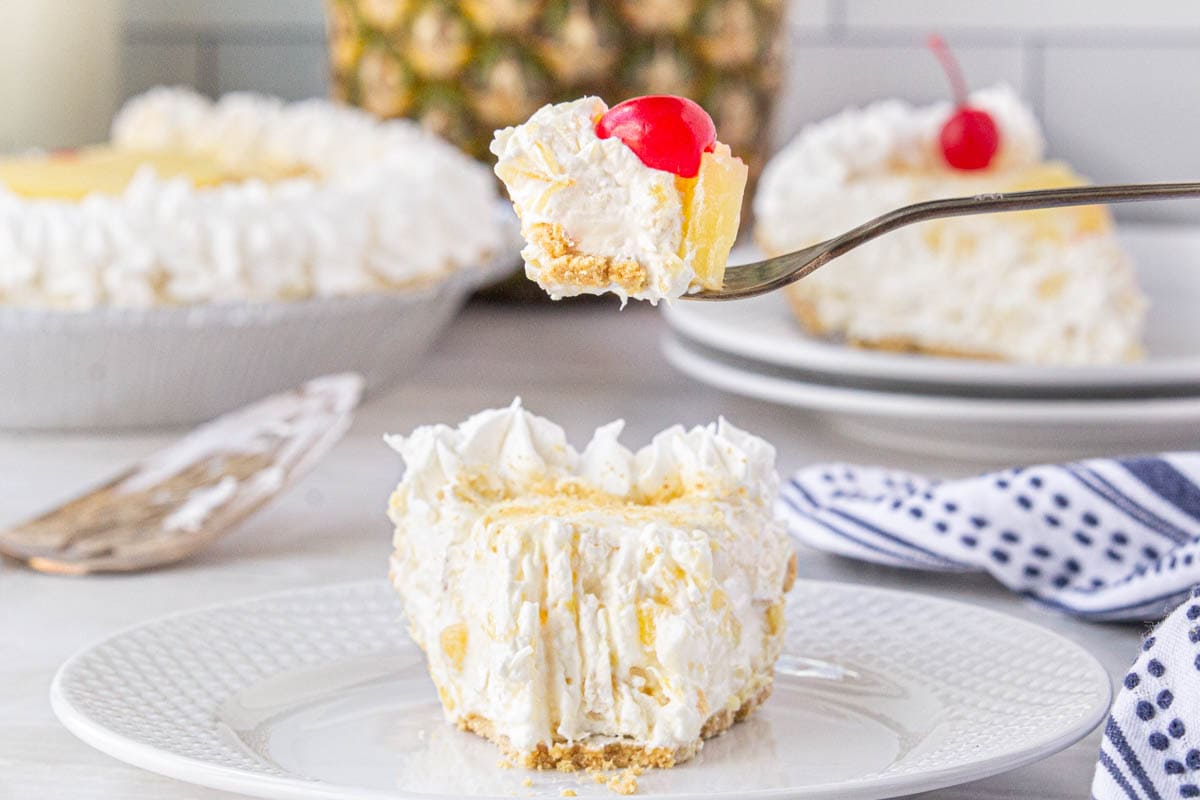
226,14
1126,114
809,14
1012,17
145,65
293,71
823,79
159,14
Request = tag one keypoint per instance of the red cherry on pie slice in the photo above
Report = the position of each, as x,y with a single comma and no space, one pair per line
664,131
969,139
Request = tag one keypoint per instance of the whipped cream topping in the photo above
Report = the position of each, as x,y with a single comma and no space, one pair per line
376,206
594,596
992,285
606,202
891,136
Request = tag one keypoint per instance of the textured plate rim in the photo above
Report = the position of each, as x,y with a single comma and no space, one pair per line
202,773
931,372
714,370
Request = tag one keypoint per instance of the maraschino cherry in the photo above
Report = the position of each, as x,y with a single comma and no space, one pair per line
664,131
970,138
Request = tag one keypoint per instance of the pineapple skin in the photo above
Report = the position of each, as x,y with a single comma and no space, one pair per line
466,68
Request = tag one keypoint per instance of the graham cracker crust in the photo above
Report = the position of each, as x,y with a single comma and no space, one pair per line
573,756
806,314
570,267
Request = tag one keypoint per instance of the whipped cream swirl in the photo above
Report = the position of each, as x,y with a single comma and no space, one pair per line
522,450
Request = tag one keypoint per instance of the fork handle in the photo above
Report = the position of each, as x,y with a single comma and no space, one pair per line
1010,201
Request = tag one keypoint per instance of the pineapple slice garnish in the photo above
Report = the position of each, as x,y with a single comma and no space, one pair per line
712,209
107,170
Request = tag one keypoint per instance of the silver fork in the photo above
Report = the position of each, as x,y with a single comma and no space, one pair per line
748,280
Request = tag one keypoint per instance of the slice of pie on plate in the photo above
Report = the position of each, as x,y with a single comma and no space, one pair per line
594,610
1051,286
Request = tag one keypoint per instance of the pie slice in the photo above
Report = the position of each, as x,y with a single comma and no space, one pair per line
1050,286
639,200
596,610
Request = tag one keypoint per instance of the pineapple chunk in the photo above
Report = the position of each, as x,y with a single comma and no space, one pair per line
1047,225
1058,223
712,209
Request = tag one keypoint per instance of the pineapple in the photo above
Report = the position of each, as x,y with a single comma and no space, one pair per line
437,42
1059,223
577,44
729,34
658,16
386,15
737,111
346,41
442,110
490,16
658,68
1054,225
387,89
504,86
465,67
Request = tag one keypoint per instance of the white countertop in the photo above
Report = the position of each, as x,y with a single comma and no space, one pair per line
579,366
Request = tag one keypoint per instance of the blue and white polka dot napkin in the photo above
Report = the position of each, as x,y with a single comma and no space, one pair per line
1151,744
1105,539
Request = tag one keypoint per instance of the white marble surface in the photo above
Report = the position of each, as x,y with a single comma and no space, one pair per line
578,366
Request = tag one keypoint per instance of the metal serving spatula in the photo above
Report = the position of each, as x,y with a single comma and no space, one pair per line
184,497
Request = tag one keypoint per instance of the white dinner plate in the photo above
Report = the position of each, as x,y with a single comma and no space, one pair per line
1168,260
319,693
1020,430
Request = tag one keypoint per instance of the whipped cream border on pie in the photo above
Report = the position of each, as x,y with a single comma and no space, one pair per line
360,205
596,609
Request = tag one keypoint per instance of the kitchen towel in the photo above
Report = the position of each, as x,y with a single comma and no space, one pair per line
1151,743
1104,539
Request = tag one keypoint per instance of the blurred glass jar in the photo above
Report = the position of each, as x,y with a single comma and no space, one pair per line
467,67
59,78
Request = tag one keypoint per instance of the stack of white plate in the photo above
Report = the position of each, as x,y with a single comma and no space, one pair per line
965,408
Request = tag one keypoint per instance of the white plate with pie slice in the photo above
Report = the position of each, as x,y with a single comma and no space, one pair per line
319,693
1168,259
969,425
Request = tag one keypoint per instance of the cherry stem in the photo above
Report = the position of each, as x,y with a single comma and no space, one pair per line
950,65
